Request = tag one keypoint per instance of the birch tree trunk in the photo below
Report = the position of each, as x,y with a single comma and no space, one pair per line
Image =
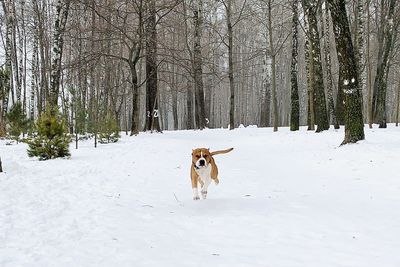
329,79
7,71
59,29
34,86
359,42
273,68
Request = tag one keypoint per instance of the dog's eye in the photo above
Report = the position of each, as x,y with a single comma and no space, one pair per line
205,156
198,156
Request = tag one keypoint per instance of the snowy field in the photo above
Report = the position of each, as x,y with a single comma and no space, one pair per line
284,199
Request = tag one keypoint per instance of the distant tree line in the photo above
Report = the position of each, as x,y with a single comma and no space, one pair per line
147,65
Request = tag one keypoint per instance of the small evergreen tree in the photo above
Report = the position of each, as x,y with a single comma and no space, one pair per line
17,122
108,131
52,140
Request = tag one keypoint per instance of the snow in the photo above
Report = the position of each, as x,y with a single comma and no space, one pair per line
284,199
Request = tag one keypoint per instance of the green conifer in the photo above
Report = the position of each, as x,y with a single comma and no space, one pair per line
52,140
109,131
17,122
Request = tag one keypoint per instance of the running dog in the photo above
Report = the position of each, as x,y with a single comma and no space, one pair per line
204,170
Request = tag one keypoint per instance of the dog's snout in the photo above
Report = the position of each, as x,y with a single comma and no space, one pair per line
202,162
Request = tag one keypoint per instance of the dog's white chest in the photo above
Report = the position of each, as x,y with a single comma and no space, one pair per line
204,173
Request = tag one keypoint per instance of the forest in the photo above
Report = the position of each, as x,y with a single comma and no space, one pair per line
106,66
230,133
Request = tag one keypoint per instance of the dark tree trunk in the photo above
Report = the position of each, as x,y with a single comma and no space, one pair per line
369,70
398,104
135,99
189,105
295,107
385,37
230,66
321,115
198,71
354,127
1,167
175,107
340,98
152,121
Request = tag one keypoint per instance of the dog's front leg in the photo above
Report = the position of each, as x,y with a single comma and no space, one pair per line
194,187
195,194
204,188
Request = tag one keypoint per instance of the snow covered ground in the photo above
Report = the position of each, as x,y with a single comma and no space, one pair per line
285,199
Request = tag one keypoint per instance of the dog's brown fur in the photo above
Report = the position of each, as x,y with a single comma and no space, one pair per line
208,156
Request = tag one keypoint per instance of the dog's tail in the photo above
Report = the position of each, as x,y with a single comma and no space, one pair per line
221,151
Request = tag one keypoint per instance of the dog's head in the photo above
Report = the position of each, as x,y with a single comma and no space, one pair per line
201,157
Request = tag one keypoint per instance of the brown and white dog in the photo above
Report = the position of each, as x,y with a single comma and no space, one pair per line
204,169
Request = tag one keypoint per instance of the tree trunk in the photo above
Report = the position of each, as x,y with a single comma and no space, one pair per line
189,106
359,42
321,116
273,69
197,67
295,107
398,104
265,113
59,29
230,66
380,85
152,121
135,100
175,104
1,166
310,86
369,71
329,86
354,127
7,71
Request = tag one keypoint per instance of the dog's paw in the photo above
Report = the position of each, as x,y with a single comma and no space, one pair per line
196,198
216,181
204,194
